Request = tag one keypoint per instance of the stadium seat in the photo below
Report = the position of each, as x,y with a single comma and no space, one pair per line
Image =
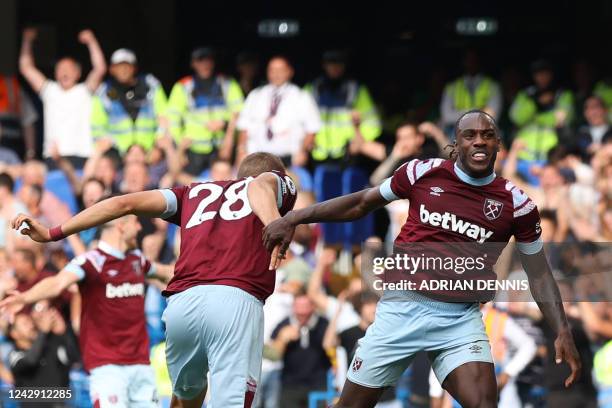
58,184
356,232
327,184
304,178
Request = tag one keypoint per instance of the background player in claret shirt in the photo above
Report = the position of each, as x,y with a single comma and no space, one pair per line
452,333
214,318
113,337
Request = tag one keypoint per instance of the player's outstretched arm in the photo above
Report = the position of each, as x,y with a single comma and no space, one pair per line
47,288
146,203
546,293
344,208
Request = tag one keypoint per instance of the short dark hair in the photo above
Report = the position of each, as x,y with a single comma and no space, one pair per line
257,163
480,112
113,155
7,181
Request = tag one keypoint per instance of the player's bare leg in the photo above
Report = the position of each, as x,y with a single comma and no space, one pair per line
197,402
358,396
473,385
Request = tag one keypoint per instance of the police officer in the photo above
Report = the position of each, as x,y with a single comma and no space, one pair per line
202,111
129,107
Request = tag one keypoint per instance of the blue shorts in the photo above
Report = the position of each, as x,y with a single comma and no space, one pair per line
451,333
219,329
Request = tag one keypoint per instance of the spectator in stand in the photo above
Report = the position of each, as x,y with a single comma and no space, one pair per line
128,108
66,102
9,207
473,90
279,118
203,108
590,136
248,68
28,274
328,305
104,164
53,209
424,141
17,117
583,76
44,350
348,113
539,112
552,193
298,340
412,141
31,196
603,89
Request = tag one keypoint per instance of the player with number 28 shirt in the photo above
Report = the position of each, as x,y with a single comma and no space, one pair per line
214,318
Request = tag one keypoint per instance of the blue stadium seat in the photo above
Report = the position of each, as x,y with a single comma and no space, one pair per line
58,184
326,396
328,184
304,178
355,179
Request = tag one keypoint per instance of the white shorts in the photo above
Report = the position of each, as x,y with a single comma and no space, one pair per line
122,386
217,328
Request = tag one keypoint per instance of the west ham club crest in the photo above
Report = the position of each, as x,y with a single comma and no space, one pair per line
492,209
357,364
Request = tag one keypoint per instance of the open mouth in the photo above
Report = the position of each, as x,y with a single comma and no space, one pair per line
480,156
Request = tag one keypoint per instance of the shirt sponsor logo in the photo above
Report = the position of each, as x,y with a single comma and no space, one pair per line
492,209
124,290
450,222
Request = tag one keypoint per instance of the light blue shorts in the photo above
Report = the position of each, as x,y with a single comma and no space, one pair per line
218,329
122,386
451,333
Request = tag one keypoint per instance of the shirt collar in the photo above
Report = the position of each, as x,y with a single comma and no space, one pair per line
482,181
280,89
109,249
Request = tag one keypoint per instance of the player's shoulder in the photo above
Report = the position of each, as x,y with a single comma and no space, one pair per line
522,204
418,169
137,254
284,181
93,258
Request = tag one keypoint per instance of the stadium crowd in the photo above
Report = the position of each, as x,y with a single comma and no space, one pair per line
118,132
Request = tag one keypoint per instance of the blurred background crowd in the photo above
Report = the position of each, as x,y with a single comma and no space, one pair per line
77,130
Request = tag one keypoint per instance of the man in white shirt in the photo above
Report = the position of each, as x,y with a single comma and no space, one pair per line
279,118
66,102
